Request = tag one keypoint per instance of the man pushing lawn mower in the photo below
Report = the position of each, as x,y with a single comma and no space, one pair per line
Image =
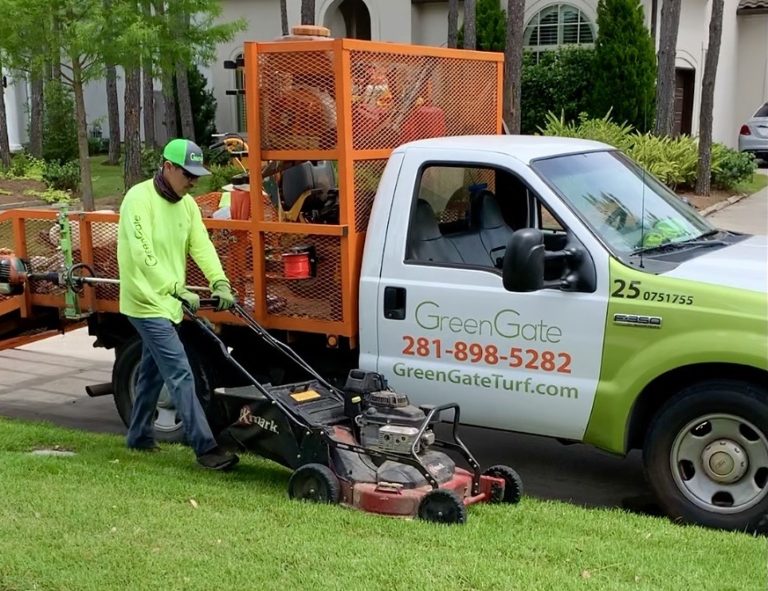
160,224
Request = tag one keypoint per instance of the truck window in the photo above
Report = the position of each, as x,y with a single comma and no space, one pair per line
457,217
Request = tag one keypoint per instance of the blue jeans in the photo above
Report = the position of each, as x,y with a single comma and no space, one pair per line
164,361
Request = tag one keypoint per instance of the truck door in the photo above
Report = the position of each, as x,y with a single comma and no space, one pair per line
448,330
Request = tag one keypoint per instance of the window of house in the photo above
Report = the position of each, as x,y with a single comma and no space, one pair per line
240,98
556,26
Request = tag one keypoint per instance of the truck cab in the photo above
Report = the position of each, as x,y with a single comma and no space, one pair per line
550,286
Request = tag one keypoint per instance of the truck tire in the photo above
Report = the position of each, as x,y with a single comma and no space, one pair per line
168,426
706,455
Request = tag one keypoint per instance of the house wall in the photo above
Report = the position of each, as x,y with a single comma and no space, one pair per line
16,111
742,79
752,76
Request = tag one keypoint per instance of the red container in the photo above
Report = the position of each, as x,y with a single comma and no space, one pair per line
297,264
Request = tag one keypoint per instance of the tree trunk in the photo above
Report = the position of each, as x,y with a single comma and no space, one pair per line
307,12
132,127
36,115
453,23
513,64
113,111
148,99
707,99
470,18
665,80
185,102
56,52
182,86
284,16
5,145
166,75
86,188
148,92
169,105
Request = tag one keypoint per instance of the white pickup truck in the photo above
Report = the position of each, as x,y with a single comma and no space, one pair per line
550,286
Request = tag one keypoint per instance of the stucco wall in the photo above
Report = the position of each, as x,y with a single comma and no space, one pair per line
15,110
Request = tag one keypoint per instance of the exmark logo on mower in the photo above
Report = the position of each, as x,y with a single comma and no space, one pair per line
247,418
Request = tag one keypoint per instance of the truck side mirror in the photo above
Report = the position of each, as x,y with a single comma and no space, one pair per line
523,265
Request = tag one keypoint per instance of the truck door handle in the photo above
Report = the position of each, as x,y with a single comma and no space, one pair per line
394,303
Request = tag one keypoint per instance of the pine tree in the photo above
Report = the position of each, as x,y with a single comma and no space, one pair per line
625,64
490,26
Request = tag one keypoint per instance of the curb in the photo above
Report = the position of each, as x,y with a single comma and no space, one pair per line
722,204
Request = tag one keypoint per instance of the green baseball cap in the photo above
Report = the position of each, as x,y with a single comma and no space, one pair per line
187,155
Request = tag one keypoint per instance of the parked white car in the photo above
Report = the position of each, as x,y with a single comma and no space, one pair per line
753,136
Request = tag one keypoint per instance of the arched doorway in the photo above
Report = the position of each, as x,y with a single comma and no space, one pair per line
349,18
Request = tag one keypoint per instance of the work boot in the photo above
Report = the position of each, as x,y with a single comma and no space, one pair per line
217,459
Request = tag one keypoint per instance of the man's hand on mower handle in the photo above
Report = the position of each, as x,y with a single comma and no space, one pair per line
222,293
190,298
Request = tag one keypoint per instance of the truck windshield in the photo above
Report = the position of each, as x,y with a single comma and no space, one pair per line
630,210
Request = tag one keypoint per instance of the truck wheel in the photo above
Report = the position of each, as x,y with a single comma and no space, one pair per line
706,455
168,426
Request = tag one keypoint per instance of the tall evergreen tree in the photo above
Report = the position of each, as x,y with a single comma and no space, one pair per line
490,27
625,64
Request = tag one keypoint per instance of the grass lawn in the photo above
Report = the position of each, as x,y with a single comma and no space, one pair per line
108,180
108,518
757,182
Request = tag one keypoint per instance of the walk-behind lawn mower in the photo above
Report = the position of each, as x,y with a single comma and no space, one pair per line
364,446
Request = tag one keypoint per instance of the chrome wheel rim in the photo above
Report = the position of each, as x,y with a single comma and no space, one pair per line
720,463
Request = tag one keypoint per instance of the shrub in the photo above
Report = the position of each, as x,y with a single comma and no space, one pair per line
24,166
221,174
65,176
59,130
601,130
50,195
560,82
624,75
672,160
731,167
151,160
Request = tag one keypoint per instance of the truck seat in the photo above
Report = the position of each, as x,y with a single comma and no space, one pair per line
494,231
426,243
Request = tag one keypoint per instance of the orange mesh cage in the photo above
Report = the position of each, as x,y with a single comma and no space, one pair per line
342,101
351,102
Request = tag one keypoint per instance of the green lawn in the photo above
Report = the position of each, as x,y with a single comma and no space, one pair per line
108,180
757,182
109,518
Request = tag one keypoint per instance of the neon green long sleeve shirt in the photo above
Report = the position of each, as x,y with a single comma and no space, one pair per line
154,238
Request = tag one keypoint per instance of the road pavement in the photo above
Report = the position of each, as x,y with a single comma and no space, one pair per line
46,381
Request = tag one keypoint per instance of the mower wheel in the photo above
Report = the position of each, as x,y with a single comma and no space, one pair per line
442,506
314,482
513,484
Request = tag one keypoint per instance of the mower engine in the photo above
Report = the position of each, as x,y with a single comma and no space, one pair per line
391,424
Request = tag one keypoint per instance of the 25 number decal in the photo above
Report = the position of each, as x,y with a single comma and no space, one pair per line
632,290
